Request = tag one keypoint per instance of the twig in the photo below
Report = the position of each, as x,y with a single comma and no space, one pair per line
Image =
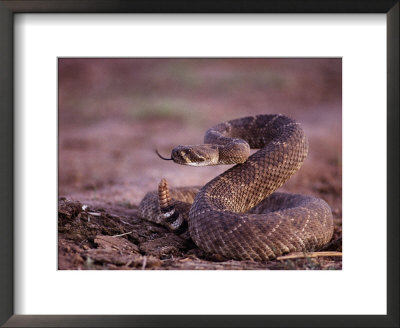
304,255
94,213
144,262
124,222
122,234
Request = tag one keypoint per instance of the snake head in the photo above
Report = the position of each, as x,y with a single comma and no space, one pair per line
196,155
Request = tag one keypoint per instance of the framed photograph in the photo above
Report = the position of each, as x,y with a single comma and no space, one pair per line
158,231
199,164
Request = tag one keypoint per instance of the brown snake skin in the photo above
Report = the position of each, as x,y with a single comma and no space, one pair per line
237,214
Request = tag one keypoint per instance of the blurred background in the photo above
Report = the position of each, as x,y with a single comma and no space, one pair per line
113,113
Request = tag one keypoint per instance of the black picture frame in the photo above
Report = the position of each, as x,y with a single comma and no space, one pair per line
10,7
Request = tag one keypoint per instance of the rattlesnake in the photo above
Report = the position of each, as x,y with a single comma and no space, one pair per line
237,214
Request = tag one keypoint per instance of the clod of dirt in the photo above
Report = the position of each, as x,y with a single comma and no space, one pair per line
107,257
167,246
116,243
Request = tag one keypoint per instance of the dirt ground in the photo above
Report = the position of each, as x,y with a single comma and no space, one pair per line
113,113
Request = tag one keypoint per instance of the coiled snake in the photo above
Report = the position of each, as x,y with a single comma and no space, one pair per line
237,214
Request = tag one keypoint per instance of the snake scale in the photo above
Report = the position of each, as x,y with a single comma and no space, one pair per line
238,214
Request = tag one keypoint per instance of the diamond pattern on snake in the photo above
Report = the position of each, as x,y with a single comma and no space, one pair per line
239,215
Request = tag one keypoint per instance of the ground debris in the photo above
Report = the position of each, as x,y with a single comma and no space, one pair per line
119,240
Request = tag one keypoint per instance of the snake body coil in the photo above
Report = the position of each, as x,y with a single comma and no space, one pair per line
237,214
